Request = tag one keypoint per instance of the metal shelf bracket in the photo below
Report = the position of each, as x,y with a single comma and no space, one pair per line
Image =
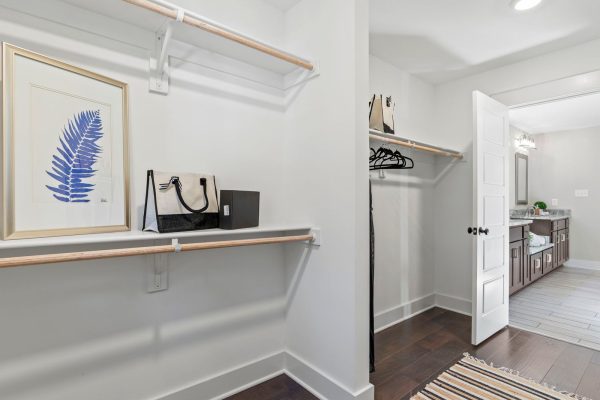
316,233
159,61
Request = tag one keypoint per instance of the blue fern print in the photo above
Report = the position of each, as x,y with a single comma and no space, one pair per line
76,155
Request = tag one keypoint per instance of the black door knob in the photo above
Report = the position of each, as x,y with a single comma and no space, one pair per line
483,231
472,230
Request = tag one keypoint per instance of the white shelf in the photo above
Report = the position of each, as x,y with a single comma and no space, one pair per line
212,43
139,236
406,142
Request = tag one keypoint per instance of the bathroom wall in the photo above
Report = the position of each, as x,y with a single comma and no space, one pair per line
454,129
403,203
563,163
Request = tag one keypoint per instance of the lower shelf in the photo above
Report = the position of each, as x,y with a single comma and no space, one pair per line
139,236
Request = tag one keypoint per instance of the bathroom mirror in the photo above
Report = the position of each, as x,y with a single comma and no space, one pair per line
521,178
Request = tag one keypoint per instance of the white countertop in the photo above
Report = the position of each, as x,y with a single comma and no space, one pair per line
519,222
541,217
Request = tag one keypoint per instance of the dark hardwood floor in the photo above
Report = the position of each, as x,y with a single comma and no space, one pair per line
412,353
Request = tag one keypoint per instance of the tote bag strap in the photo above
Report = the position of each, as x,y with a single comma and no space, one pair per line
175,181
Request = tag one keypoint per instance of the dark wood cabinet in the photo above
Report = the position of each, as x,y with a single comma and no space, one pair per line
556,239
517,266
547,259
558,230
536,266
525,268
518,258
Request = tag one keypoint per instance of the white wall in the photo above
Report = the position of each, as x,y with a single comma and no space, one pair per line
403,203
90,331
564,162
326,175
454,129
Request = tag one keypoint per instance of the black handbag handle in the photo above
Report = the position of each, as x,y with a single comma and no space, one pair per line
175,180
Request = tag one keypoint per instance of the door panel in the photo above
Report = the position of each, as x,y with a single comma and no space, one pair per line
493,256
493,295
548,257
535,266
491,262
557,247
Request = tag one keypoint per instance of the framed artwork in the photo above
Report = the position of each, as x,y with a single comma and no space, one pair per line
64,148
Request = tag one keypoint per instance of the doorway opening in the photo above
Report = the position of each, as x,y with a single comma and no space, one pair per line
554,258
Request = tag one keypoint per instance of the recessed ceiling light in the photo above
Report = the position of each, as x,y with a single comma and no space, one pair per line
523,5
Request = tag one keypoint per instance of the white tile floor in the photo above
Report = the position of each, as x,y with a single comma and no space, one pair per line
564,305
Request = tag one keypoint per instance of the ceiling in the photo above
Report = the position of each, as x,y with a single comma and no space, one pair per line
560,115
283,5
444,40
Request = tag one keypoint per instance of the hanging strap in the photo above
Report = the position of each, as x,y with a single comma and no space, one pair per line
175,180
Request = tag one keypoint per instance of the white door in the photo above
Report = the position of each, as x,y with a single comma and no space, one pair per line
490,229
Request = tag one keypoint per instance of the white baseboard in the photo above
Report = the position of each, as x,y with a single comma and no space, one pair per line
583,264
232,381
452,303
321,385
308,376
395,315
238,379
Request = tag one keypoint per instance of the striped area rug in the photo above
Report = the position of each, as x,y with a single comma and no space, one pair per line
473,379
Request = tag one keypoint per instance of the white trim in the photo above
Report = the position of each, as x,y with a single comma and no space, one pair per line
256,372
583,264
453,303
402,312
556,89
232,381
319,383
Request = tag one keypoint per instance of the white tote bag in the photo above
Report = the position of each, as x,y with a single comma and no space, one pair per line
381,114
180,202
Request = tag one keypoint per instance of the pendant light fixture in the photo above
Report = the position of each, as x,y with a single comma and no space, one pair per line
525,141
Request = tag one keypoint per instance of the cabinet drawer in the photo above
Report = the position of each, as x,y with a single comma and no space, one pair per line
535,266
517,233
560,224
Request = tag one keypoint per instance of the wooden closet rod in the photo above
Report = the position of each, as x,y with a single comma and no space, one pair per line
417,146
22,261
196,21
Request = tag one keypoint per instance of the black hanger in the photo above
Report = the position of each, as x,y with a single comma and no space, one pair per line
384,158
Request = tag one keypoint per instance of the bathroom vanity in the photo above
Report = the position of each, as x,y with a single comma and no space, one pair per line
529,263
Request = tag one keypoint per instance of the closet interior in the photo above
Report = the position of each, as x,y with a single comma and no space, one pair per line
226,97
404,177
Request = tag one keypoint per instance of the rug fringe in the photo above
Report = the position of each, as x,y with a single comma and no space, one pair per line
517,373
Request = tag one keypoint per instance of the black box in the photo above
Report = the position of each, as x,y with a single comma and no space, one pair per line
239,209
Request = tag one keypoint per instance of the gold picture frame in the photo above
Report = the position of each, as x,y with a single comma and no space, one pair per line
80,203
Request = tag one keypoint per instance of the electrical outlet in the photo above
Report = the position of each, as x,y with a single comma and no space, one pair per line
158,273
581,193
554,202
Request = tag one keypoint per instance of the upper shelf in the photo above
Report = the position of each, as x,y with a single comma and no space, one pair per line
393,139
200,32
133,236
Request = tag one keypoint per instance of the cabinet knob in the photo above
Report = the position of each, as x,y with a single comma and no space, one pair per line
472,231
484,231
